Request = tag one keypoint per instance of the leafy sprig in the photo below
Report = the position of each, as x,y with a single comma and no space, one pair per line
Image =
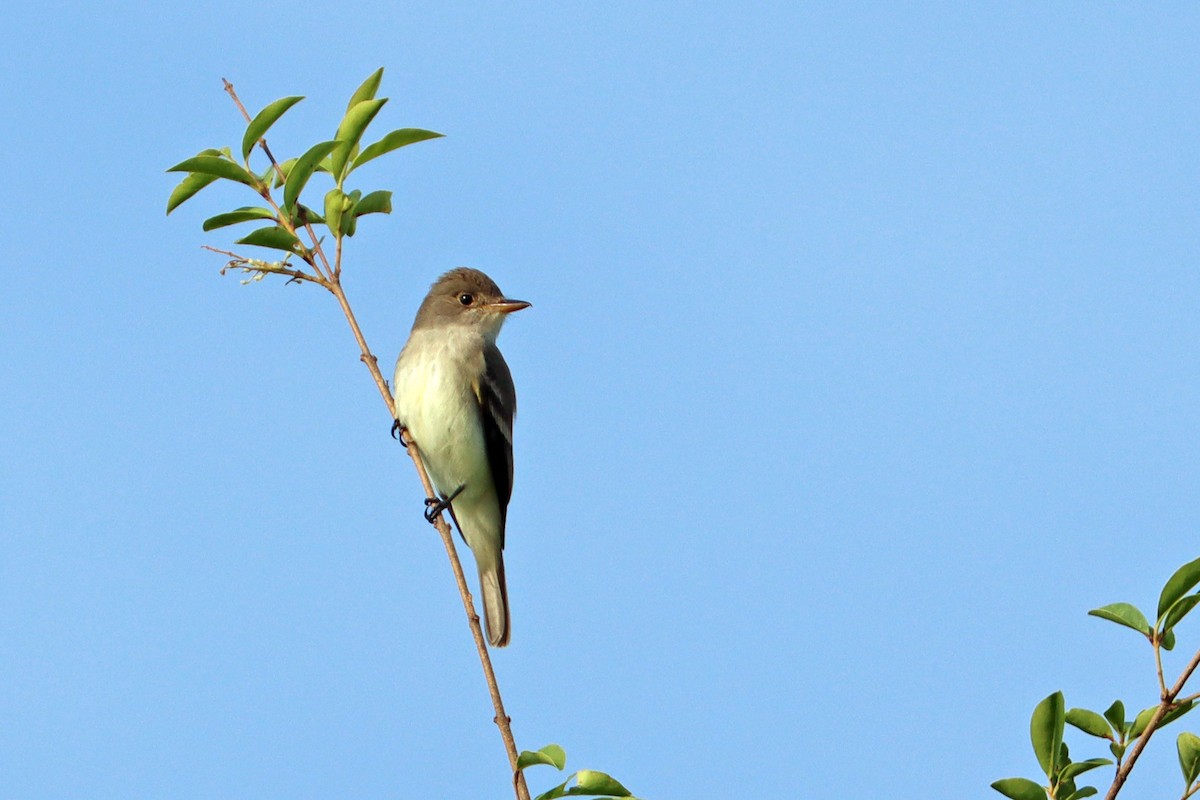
1126,738
294,226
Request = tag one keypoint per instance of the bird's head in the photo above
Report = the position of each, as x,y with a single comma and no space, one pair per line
465,296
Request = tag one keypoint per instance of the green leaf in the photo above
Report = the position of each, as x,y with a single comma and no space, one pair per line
589,781
393,141
216,166
1118,750
349,218
1116,716
367,90
274,237
1176,713
1124,614
593,784
263,121
186,188
1178,585
335,202
1019,789
1178,610
302,170
1046,732
303,214
1141,721
551,754
1167,640
350,132
243,214
556,792
286,169
349,201
1089,722
1071,771
1086,791
378,202
1188,745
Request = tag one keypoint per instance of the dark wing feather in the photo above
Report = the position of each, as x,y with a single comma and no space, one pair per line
497,407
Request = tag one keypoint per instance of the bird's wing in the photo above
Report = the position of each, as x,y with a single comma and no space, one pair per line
497,407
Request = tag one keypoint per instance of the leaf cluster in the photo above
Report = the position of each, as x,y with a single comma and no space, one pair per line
1050,716
289,217
1174,603
587,782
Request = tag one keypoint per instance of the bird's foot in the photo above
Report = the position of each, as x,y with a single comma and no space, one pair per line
434,508
398,432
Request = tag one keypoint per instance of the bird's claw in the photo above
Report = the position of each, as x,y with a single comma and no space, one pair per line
435,507
398,433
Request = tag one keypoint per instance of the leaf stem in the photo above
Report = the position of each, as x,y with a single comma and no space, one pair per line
1162,682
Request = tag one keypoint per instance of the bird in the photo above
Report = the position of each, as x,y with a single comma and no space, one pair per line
454,397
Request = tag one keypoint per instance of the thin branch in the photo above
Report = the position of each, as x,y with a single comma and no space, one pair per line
256,265
262,142
1168,704
316,248
502,720
1162,682
1185,675
372,363
266,193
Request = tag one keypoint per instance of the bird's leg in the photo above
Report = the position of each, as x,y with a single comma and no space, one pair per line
436,507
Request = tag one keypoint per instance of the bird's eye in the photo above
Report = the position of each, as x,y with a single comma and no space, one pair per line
466,298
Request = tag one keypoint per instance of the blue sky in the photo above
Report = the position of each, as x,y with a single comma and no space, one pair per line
862,363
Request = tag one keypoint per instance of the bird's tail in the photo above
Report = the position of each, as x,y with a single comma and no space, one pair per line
495,602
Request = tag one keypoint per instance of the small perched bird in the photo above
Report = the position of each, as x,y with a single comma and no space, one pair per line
454,396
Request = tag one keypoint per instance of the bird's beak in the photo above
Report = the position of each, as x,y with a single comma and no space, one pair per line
507,306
